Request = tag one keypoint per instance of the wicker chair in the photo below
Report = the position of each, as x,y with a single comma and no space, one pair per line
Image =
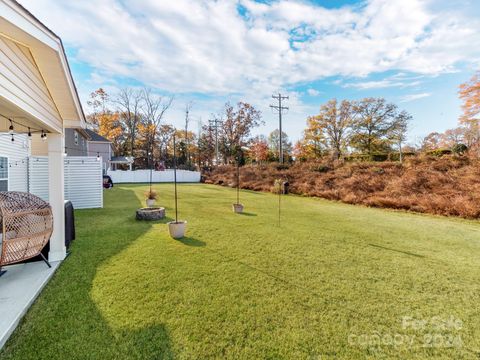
26,226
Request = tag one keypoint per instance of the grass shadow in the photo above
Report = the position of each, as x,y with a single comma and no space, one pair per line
189,241
101,235
247,214
396,250
165,220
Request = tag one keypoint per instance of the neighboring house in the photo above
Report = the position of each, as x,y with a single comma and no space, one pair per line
97,145
76,143
122,162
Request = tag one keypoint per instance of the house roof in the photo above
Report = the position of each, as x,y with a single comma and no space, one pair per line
96,137
122,160
17,24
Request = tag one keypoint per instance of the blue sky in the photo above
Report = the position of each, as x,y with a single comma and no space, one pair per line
412,52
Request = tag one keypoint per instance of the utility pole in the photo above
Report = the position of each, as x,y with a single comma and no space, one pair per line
187,119
280,109
215,124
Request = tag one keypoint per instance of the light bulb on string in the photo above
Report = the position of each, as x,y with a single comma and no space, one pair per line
13,139
10,128
98,156
29,133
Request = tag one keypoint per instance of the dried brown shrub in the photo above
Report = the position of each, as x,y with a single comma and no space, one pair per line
449,185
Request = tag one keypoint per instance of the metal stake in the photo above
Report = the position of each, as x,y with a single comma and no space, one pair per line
175,177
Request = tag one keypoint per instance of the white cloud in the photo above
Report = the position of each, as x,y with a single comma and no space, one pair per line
381,84
207,46
313,92
413,97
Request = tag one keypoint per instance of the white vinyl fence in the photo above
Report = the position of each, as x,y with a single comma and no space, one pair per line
143,176
83,180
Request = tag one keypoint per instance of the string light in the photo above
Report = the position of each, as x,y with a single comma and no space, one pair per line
98,156
12,132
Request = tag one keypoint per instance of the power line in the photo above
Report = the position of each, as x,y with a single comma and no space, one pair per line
215,124
187,120
279,108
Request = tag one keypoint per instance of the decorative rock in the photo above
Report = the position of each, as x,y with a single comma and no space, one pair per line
150,214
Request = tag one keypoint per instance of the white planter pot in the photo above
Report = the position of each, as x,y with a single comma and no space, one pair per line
150,202
177,229
237,208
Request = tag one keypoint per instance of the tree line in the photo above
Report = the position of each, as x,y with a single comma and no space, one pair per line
466,136
368,129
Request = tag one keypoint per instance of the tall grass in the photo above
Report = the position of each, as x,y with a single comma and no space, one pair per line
445,186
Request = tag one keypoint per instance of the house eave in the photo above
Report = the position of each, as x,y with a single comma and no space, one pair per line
46,47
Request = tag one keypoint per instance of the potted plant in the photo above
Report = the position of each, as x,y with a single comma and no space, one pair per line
150,197
176,228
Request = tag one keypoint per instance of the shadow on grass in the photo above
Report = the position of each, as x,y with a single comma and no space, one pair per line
165,220
65,321
189,241
247,214
396,250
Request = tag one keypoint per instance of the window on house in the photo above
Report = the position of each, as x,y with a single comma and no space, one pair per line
3,173
75,137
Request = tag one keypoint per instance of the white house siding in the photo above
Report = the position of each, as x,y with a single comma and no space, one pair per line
17,153
21,82
38,146
38,176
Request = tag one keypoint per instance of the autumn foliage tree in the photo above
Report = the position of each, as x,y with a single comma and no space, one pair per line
106,121
470,95
206,146
313,144
377,125
259,149
274,145
331,126
237,126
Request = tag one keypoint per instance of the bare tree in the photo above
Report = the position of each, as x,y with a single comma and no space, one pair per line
153,111
98,102
129,103
165,134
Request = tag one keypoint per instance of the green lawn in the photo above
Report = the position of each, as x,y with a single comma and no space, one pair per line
327,284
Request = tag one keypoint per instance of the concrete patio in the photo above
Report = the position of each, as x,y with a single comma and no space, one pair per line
19,287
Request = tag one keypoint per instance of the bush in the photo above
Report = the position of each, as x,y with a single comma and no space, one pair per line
282,166
439,152
459,149
320,168
379,157
448,185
